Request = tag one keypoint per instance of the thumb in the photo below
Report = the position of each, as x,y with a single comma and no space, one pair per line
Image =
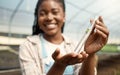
91,21
56,53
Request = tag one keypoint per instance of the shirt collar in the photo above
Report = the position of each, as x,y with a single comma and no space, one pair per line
36,39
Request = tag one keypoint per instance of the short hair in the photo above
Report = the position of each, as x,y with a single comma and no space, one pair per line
35,29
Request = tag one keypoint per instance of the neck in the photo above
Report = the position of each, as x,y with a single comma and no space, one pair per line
55,39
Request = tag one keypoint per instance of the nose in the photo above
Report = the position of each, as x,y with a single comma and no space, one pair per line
50,16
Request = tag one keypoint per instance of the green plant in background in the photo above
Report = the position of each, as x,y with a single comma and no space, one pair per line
111,48
118,73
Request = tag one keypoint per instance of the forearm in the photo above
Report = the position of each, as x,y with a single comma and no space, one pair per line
88,66
56,69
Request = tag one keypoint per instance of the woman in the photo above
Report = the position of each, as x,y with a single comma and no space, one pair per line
49,52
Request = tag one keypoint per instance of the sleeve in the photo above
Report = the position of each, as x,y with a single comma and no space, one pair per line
27,63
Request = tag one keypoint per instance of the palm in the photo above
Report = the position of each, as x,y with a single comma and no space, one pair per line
68,59
94,43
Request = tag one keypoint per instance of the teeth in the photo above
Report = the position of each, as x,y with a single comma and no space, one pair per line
51,25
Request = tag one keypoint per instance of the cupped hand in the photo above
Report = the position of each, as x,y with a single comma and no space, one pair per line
98,37
69,59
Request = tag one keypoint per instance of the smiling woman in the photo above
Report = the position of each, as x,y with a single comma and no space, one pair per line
49,51
77,16
50,17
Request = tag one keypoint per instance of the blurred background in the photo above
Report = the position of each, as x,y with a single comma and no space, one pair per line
16,20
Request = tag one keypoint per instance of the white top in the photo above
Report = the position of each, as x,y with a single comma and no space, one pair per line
50,48
30,55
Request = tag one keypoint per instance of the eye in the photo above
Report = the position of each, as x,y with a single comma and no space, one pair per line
42,13
55,11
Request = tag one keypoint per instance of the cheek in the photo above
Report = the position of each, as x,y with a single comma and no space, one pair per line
61,19
40,21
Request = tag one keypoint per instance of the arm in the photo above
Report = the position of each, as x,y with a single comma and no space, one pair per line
56,69
94,43
89,65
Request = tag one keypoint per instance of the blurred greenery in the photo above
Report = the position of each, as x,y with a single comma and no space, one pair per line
110,48
118,73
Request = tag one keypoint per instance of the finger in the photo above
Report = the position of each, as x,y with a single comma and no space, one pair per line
66,58
102,30
101,19
91,21
56,54
74,60
80,58
84,54
100,23
103,35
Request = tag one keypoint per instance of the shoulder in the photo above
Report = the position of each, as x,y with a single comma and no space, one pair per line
29,45
30,42
33,39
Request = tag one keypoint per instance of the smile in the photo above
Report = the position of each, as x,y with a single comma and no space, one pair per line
51,25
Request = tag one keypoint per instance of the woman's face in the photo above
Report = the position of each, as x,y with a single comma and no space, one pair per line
51,17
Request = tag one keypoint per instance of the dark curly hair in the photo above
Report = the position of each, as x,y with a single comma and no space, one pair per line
35,29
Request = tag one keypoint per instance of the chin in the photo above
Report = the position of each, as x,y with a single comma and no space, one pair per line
51,33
